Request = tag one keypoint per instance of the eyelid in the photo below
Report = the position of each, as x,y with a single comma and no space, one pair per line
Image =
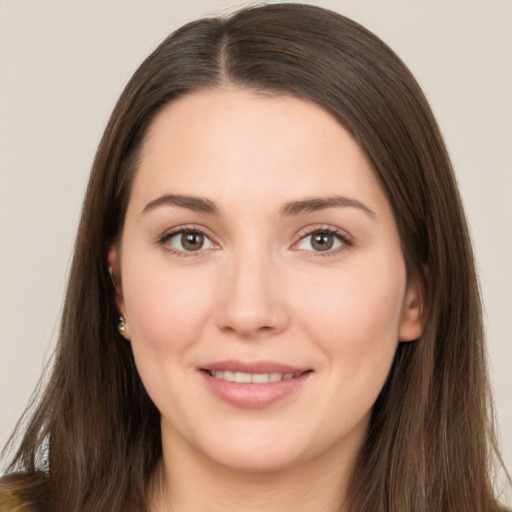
346,239
172,232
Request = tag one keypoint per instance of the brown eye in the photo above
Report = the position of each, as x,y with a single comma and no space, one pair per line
322,241
192,241
187,241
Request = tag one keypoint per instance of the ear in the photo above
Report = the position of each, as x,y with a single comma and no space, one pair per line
412,320
114,266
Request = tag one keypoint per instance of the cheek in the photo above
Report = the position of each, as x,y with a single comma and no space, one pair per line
355,322
167,312
165,309
355,317
356,305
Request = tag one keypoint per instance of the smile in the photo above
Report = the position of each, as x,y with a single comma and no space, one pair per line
252,378
253,385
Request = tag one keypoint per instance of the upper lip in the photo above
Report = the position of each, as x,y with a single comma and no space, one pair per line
252,367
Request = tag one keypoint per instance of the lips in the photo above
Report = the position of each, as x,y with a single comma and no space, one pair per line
252,378
254,367
253,385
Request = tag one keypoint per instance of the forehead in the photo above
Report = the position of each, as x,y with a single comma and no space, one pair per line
237,143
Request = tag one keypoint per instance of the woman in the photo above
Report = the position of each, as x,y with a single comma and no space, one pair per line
272,303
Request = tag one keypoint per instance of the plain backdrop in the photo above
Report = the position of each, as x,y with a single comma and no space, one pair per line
62,66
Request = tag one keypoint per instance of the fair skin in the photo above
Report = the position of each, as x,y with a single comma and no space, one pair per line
251,277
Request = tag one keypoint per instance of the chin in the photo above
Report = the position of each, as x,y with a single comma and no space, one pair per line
253,448
254,460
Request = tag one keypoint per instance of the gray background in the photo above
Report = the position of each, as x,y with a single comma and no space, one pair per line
63,65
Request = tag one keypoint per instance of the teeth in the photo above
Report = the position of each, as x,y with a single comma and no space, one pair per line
254,378
260,378
242,377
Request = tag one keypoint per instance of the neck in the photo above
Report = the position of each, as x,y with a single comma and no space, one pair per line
186,482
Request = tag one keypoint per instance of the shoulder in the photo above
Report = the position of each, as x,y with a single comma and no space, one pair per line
20,492
10,501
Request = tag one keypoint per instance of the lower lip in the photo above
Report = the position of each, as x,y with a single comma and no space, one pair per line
254,396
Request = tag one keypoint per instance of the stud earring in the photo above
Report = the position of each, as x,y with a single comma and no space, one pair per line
121,326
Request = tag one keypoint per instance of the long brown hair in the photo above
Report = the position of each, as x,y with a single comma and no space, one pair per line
431,439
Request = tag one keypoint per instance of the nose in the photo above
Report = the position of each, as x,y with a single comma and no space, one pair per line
252,299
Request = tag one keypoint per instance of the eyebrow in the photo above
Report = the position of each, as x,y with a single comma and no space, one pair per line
313,204
293,208
196,204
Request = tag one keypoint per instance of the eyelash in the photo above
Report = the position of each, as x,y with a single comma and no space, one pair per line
344,238
164,239
346,241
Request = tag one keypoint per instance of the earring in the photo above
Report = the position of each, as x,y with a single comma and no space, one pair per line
121,326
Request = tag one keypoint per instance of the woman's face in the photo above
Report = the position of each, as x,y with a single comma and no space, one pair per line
262,281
